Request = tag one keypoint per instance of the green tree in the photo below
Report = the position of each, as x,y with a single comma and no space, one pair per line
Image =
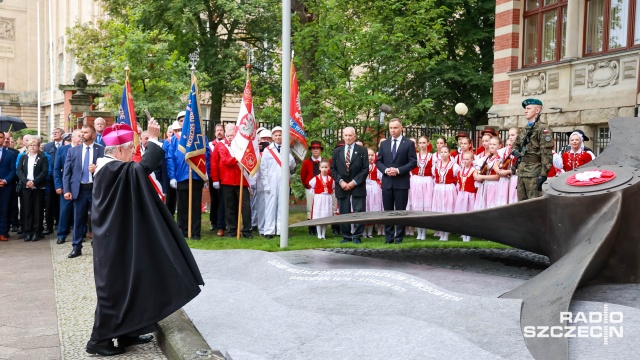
219,30
158,75
357,54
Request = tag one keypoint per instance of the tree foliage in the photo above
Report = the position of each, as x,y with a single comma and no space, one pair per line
158,75
219,30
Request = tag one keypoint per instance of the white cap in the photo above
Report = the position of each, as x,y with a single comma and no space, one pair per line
277,128
264,134
175,126
260,129
181,114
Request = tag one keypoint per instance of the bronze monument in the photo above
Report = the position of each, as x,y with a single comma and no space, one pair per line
588,229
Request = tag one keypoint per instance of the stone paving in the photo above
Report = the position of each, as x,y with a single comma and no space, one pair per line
76,303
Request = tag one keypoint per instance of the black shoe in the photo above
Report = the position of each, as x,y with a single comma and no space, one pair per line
61,240
104,350
212,228
268,236
47,232
27,237
124,341
344,241
357,241
231,235
398,241
195,237
15,229
247,236
37,237
388,242
19,232
74,253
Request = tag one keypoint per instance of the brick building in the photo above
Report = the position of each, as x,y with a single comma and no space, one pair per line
580,57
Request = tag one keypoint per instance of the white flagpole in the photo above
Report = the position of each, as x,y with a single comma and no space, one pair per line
39,65
51,71
286,89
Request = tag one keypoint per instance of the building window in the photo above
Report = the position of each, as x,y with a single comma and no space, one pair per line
602,139
544,31
609,25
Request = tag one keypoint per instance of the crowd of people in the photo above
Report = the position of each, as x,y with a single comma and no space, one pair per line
53,182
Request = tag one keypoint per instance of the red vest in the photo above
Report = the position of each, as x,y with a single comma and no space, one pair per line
572,161
320,188
449,178
469,184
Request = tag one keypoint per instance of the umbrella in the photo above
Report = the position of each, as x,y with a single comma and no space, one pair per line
11,122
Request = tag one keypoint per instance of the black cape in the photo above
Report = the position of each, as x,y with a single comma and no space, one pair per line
144,270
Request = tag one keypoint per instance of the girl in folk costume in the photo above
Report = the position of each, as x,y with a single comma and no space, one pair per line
576,156
440,143
506,183
374,191
488,175
445,173
421,183
409,230
464,145
323,186
557,166
466,197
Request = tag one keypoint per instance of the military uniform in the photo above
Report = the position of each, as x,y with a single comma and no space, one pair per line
537,158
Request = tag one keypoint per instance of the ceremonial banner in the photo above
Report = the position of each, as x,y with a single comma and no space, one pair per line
296,126
192,142
244,145
127,113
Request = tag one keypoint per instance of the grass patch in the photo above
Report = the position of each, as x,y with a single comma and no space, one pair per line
301,240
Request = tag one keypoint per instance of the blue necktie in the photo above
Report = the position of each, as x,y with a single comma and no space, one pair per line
99,138
85,167
393,149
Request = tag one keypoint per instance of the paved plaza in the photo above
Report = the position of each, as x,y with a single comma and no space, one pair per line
47,303
336,303
381,304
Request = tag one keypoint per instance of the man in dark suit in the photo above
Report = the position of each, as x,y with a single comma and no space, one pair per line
396,159
66,206
13,220
349,169
99,124
77,182
53,200
7,181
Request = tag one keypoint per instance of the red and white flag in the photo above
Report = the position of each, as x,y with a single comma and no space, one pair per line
296,125
245,144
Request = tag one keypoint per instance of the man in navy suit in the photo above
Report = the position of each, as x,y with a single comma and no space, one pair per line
7,177
77,182
99,124
66,206
349,169
396,159
53,200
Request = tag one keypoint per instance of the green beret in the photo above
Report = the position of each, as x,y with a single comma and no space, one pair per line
531,102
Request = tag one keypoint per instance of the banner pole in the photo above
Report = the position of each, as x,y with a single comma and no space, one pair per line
283,201
190,202
240,203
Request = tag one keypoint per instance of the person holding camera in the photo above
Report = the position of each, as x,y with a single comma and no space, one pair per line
533,149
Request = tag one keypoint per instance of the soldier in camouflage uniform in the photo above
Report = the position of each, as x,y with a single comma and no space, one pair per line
534,145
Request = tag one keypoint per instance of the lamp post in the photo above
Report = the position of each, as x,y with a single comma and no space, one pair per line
461,110
384,110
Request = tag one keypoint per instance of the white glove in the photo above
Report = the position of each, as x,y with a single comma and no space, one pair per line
216,185
173,183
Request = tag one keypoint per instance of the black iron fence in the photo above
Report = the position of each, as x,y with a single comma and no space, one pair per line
332,136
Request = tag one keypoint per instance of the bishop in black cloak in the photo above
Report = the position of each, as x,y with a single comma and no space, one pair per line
144,270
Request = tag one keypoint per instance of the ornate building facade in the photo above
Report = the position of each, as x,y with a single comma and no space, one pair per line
20,21
580,57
